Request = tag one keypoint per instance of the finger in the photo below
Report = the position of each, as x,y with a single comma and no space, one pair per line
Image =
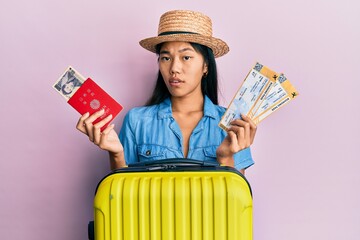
94,116
248,125
249,120
107,130
253,127
80,124
247,135
103,122
104,135
240,135
252,134
233,139
242,141
240,122
97,129
96,134
88,123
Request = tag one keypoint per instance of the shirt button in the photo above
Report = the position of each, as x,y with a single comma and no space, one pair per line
148,152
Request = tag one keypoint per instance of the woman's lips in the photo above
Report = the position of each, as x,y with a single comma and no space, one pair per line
175,82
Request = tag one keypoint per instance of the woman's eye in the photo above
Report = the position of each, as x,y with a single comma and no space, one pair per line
165,59
187,58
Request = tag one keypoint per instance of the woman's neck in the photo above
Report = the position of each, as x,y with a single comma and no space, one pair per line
187,104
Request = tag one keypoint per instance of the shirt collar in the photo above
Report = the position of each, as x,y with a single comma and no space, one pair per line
166,112
165,109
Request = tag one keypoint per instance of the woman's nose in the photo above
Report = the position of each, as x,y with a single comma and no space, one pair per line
175,66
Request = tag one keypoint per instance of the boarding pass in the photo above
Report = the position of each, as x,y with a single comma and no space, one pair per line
261,93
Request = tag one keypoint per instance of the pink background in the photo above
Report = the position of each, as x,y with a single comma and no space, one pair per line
306,177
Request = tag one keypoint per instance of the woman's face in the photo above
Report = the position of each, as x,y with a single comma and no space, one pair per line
182,68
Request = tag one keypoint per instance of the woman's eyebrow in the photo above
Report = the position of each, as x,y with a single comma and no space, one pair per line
180,51
164,52
185,49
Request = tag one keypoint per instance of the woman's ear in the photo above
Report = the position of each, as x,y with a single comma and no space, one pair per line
205,70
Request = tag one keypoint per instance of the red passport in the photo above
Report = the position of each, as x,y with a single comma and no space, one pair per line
92,98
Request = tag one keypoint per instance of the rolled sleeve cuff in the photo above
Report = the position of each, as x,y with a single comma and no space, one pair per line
243,159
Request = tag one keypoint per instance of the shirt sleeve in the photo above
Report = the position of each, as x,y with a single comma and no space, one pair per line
127,139
243,159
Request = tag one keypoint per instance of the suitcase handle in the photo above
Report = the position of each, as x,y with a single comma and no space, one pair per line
174,165
175,162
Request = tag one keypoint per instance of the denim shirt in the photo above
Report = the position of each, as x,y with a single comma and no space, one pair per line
151,133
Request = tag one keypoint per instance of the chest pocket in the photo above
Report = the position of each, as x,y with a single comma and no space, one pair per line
210,153
148,152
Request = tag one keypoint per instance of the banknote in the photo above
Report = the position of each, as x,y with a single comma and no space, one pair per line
69,82
280,94
247,96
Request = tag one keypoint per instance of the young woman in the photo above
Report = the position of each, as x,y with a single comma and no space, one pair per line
181,118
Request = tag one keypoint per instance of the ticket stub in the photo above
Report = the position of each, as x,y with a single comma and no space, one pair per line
247,96
280,94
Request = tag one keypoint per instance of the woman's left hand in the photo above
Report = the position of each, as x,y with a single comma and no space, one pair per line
241,135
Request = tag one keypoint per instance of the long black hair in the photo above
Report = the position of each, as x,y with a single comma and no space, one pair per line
209,82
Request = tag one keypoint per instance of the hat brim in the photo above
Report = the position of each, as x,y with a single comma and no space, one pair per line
218,46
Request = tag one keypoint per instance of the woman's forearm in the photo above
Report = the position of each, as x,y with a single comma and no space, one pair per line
117,160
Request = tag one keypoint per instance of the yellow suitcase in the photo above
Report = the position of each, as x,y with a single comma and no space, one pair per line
171,200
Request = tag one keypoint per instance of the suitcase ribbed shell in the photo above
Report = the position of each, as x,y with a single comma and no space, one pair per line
173,205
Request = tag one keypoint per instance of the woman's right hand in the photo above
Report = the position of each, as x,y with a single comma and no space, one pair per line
107,139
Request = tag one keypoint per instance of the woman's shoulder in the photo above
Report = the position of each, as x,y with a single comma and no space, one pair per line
220,109
212,109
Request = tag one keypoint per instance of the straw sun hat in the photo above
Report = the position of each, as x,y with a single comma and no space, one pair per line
186,26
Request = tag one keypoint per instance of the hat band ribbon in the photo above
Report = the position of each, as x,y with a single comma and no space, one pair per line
175,32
